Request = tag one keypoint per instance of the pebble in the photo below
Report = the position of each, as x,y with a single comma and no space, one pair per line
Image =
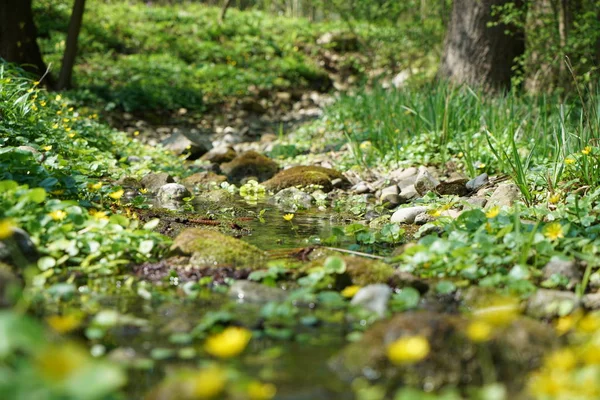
407,215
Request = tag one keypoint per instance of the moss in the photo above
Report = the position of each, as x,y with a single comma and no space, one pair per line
250,164
360,271
208,248
304,176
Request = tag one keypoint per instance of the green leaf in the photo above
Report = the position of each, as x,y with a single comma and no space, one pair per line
445,287
153,223
37,195
146,246
45,263
334,265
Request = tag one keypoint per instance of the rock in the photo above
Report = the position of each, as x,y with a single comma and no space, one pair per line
450,213
128,182
408,193
18,249
565,268
404,176
363,271
338,183
249,164
456,187
374,298
302,176
591,301
402,279
188,141
133,160
475,202
339,41
390,195
220,154
407,215
478,182
202,179
172,192
154,181
425,182
254,292
361,188
547,304
208,248
423,218
221,196
292,199
504,195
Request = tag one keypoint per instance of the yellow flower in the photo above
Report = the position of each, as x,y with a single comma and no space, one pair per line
43,103
58,97
6,229
366,145
136,133
586,150
205,384
58,362
350,291
408,350
99,215
589,324
479,331
569,160
553,199
261,391
493,212
563,359
64,324
95,186
229,343
47,148
116,195
565,324
554,231
58,215
36,83
143,191
288,217
71,135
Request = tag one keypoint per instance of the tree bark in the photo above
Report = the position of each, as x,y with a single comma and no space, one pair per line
66,69
18,38
224,9
477,54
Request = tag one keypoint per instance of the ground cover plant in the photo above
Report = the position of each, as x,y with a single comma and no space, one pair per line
425,241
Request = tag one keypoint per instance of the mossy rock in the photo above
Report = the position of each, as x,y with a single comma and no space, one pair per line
359,270
208,248
302,176
249,164
203,178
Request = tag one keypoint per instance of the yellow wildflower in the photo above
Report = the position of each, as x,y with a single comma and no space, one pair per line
95,186
554,231
493,212
47,148
58,215
569,160
205,384
565,324
554,198
479,331
58,97
288,217
562,359
350,291
143,191
43,103
586,150
137,133
36,83
229,343
71,135
408,350
261,391
6,229
116,195
99,215
366,145
589,324
64,324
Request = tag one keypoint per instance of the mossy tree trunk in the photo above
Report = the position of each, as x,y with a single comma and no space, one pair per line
66,69
476,53
18,38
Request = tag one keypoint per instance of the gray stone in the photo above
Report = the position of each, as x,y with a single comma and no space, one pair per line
153,181
450,213
504,195
407,175
456,187
478,182
254,292
407,215
291,199
187,142
374,298
425,182
172,192
408,193
424,218
475,202
337,183
390,196
591,301
220,154
566,268
361,188
547,304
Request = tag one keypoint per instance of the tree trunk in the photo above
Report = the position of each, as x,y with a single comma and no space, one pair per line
18,36
477,54
66,69
224,9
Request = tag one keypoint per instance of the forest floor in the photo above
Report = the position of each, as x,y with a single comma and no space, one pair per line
294,243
